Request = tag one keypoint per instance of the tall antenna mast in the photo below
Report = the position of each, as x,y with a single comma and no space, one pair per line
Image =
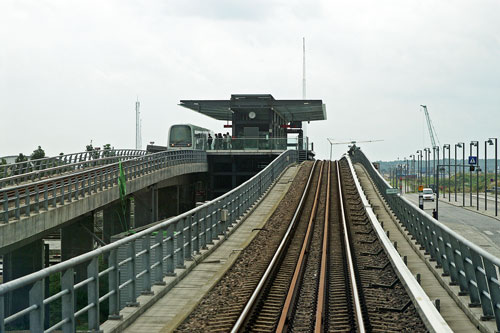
138,144
303,68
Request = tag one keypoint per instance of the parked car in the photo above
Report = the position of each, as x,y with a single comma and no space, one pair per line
428,194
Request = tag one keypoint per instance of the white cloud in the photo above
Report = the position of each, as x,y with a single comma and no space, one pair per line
70,71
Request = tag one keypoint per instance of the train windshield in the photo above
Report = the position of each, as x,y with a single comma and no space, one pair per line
180,135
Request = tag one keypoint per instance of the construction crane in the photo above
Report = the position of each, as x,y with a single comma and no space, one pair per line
353,142
430,126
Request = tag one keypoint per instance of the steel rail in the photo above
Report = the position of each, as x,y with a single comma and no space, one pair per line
321,303
287,311
274,261
350,265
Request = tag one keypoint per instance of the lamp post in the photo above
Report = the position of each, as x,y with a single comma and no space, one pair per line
486,173
434,162
417,171
436,170
446,146
462,145
406,175
419,155
424,181
490,141
456,145
470,177
412,166
427,164
476,144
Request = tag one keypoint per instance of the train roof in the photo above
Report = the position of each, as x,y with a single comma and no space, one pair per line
192,126
290,109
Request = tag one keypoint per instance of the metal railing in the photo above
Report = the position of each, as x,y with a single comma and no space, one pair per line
31,198
162,248
32,170
470,267
277,144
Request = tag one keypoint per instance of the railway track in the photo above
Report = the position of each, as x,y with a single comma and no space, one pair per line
328,274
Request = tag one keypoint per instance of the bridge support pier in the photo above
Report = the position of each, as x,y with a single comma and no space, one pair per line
146,206
168,201
114,220
18,263
76,239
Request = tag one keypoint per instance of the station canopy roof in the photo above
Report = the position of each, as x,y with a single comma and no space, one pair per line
290,109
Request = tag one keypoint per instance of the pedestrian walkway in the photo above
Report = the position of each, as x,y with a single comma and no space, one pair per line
179,301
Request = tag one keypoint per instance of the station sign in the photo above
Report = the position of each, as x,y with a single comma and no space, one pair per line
391,191
472,160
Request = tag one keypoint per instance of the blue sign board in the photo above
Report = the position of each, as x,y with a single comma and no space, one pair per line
472,160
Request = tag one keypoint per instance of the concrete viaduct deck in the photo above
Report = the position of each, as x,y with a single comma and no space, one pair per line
34,209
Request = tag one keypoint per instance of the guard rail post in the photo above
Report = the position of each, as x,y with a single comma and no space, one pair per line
68,300
132,275
114,286
93,294
159,255
170,261
146,265
179,248
188,225
494,288
196,240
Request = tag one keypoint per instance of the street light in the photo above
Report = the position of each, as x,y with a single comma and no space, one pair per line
457,145
434,162
490,141
436,171
475,144
412,156
427,164
419,162
447,146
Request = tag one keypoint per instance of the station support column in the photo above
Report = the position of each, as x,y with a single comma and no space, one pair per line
17,263
76,239
116,219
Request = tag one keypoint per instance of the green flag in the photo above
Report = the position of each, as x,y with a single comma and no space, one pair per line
122,186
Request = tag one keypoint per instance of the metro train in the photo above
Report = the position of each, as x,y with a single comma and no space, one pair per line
187,136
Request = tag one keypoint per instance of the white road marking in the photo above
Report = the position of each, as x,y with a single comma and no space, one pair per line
488,232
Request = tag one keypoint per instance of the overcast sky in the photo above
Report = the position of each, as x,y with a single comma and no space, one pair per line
70,71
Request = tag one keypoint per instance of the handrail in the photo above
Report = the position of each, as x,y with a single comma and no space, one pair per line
28,170
167,243
469,266
39,195
59,169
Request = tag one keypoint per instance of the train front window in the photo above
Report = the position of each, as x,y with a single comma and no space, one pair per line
180,135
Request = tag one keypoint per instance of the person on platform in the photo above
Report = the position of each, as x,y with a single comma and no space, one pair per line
209,142
216,141
228,141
